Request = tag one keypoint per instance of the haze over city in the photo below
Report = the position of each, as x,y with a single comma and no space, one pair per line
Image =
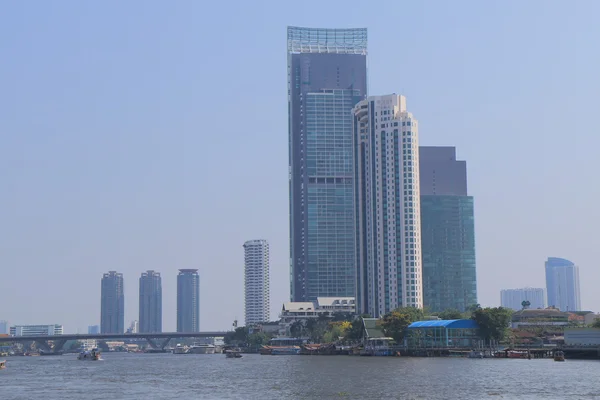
159,141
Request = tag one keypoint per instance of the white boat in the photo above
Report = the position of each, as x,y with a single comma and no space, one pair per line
202,349
2,364
89,355
180,349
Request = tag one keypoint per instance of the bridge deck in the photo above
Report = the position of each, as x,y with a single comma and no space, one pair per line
109,336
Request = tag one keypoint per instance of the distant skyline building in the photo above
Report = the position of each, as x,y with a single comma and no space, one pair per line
4,328
93,329
150,312
256,281
112,303
327,76
388,208
514,298
447,231
562,284
134,327
188,301
36,330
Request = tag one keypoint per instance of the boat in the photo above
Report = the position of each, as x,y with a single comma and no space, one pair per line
2,364
202,349
89,355
232,354
559,356
180,349
475,354
285,350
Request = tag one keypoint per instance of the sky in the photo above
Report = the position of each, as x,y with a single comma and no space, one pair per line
153,135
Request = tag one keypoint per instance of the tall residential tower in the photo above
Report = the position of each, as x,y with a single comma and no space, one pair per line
150,319
188,301
447,231
562,284
388,212
256,281
327,76
112,303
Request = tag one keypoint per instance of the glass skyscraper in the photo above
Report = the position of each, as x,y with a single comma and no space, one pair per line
112,303
150,302
188,301
327,76
447,231
388,213
562,284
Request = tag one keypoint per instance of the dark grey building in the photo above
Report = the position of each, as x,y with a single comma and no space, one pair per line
327,76
188,301
447,231
112,303
150,302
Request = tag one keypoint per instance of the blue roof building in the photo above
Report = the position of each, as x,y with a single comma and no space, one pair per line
454,333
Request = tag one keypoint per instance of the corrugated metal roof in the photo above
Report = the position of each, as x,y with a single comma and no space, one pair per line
445,323
372,329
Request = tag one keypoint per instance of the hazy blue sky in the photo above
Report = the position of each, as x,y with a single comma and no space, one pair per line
142,135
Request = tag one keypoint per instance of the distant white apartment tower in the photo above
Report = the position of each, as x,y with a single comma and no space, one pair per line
388,216
514,298
36,330
4,327
562,284
256,281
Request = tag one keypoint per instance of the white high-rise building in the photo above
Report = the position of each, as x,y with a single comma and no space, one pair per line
514,298
36,330
256,281
388,208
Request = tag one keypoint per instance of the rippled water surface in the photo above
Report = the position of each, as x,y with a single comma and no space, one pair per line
168,376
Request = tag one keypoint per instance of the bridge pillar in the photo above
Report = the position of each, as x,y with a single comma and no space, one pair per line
58,345
165,343
43,345
152,343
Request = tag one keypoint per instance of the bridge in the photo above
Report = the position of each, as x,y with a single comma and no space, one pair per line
157,340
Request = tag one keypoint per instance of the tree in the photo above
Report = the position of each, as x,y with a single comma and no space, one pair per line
355,331
342,316
596,323
336,330
239,336
525,304
296,329
450,314
493,322
473,307
258,339
394,325
413,313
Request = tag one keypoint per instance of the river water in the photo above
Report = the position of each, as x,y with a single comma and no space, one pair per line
182,377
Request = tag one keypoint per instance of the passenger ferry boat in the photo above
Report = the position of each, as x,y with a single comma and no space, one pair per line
89,355
202,349
180,349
